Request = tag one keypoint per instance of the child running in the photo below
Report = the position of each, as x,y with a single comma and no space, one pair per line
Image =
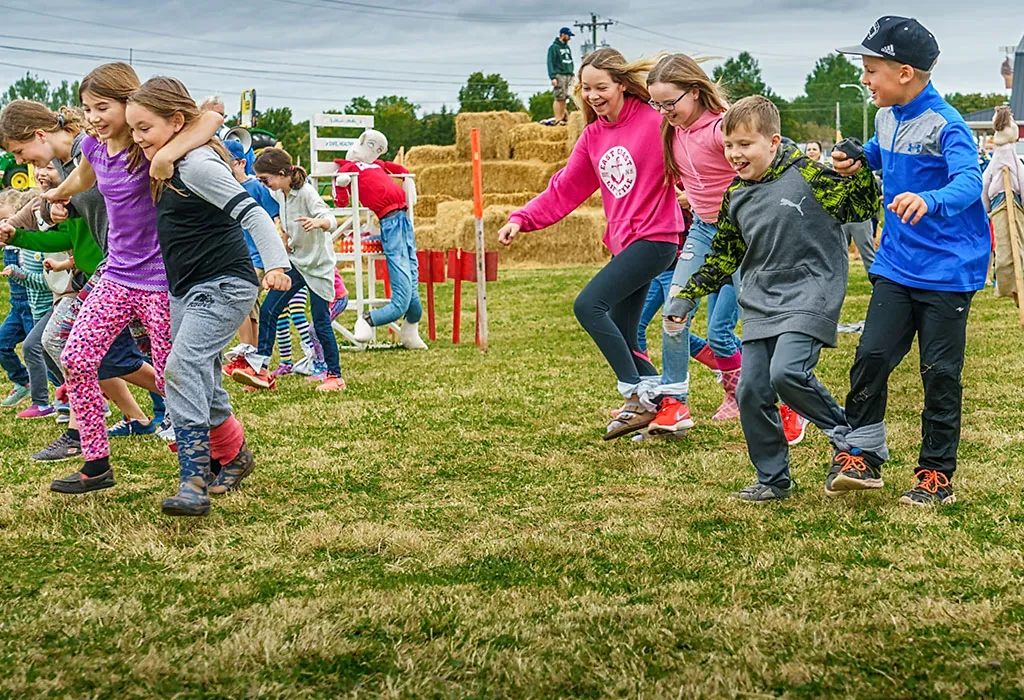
200,214
932,259
620,154
779,221
307,223
133,282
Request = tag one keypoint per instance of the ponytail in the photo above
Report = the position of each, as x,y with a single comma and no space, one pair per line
276,161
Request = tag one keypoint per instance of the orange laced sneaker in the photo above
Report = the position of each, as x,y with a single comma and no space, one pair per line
853,470
933,488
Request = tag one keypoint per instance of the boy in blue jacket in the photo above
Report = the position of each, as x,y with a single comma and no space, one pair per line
931,261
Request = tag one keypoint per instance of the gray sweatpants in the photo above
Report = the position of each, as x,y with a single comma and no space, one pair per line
863,235
37,362
203,322
781,368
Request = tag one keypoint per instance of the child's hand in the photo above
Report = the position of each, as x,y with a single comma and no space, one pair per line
507,233
844,165
58,213
676,311
6,232
683,200
6,272
162,167
55,196
277,279
58,265
309,224
909,207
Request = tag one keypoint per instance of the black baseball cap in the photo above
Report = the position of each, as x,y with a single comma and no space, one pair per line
565,30
900,39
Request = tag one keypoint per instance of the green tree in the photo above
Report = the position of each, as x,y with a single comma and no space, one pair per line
437,128
359,105
822,91
542,105
741,77
395,117
64,95
975,101
488,93
28,88
293,138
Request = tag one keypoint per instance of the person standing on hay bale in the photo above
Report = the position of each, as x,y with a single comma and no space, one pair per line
560,72
619,152
387,200
993,193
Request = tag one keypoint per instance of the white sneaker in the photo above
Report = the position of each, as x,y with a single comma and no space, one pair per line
363,331
410,336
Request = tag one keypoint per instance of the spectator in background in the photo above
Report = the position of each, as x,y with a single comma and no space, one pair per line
560,71
813,151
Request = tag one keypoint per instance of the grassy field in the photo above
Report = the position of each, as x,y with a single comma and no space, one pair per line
453,526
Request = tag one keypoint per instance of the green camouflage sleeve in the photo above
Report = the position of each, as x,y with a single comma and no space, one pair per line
727,251
846,199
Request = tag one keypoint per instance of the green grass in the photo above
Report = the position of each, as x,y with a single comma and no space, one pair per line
452,525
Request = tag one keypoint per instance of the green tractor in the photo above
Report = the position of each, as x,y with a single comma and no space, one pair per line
14,175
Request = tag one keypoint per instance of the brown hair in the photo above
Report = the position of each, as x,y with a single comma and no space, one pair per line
115,81
1001,121
685,73
166,97
630,74
20,120
756,112
276,161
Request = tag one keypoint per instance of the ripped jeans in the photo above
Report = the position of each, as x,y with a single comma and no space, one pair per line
723,314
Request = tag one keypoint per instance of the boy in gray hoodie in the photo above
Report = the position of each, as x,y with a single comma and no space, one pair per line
780,225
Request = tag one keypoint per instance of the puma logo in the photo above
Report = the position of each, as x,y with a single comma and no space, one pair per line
788,203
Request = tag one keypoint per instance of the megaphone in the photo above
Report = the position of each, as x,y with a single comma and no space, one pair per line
240,134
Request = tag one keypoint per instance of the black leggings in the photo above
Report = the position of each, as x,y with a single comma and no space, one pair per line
609,307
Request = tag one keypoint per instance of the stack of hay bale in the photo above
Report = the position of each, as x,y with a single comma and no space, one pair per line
519,159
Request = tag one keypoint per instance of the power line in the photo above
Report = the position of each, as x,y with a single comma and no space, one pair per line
712,46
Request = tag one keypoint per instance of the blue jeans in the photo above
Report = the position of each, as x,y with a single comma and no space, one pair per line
14,330
723,314
275,302
399,241
657,295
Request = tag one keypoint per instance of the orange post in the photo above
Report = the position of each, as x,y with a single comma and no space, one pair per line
478,213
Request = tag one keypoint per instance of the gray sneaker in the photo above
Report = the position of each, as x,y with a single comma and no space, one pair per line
64,447
761,493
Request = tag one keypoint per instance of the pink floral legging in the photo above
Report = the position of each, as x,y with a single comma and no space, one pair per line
106,311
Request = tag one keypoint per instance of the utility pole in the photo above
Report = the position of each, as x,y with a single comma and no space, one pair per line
592,26
865,96
839,133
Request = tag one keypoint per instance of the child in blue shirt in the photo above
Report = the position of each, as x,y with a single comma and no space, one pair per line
932,259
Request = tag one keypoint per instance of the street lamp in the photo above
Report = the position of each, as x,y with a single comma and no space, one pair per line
864,103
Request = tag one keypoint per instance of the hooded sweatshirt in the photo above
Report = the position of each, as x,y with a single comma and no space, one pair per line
783,232
625,160
559,59
699,154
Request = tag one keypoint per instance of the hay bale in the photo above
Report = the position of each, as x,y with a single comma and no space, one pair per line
426,236
426,204
424,156
499,177
544,151
495,133
575,128
451,214
537,132
512,199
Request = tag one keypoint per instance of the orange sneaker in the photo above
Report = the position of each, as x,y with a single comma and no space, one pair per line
673,416
237,363
250,377
332,383
793,425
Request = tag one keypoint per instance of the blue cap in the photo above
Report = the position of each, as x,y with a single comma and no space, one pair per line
235,149
565,30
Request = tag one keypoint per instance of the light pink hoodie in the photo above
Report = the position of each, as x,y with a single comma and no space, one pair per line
699,153
625,159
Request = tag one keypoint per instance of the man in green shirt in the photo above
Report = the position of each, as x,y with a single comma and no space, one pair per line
560,71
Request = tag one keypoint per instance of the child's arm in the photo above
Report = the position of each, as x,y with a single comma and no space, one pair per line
81,178
25,217
29,280
846,199
727,251
54,240
319,215
964,188
191,137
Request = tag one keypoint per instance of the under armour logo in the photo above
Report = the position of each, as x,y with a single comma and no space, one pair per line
888,50
788,203
959,309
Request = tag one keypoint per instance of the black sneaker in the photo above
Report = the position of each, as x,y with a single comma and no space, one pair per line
80,483
64,447
853,470
933,488
762,493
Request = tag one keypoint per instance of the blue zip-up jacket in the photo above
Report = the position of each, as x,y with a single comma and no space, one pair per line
925,147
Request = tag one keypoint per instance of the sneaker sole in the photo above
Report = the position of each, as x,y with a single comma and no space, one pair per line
736,497
843,484
799,439
45,415
57,459
646,436
55,488
908,501
243,377
628,427
176,512
658,429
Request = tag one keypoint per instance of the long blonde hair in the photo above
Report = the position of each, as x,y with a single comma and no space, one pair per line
166,97
631,74
115,81
686,74
20,120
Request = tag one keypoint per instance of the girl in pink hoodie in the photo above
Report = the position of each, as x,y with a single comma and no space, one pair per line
619,152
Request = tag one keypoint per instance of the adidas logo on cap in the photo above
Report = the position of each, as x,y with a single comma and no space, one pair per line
888,50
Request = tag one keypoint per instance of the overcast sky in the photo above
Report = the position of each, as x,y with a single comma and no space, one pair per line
316,54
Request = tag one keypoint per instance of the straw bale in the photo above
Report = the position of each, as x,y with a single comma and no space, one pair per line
575,128
456,179
513,199
451,214
426,204
538,132
426,237
423,156
544,151
495,133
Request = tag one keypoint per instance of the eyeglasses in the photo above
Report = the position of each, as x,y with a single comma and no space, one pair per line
264,179
665,106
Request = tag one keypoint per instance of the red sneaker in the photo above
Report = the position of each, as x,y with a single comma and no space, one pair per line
332,383
793,425
237,363
673,415
250,377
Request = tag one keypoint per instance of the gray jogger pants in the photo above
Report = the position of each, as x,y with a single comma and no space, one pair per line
781,368
203,322
863,235
37,362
